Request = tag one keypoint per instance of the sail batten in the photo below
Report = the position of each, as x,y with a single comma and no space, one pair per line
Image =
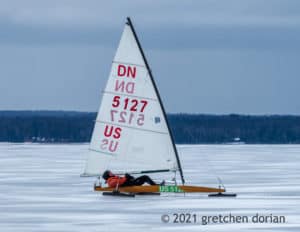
128,95
131,127
118,62
99,151
131,130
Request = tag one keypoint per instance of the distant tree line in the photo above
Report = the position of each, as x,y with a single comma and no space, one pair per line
273,129
61,126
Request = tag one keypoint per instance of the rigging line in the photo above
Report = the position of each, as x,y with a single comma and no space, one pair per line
131,127
128,95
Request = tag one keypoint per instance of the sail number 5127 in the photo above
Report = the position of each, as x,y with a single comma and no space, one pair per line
127,117
129,104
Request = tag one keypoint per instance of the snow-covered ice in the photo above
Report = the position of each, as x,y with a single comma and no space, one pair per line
40,190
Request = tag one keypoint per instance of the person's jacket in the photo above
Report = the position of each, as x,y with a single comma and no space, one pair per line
115,181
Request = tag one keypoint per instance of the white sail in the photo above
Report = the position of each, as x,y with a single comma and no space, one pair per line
130,133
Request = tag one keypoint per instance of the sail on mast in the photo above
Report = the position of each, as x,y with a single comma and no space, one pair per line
159,99
131,125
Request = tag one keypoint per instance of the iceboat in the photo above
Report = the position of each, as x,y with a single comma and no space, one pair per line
131,127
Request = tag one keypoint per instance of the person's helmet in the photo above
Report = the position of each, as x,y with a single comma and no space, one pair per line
106,174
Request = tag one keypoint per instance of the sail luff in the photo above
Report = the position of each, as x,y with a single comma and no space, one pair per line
158,96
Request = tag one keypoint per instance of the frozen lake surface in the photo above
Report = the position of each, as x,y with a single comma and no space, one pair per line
40,190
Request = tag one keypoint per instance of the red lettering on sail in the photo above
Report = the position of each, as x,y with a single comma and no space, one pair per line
144,102
110,145
116,101
113,146
115,132
129,104
121,70
131,71
128,71
129,87
104,144
122,86
119,86
108,131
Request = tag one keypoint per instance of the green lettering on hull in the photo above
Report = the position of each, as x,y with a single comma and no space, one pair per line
170,189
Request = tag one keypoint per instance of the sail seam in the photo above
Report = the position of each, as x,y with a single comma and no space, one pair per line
118,62
106,153
130,127
127,95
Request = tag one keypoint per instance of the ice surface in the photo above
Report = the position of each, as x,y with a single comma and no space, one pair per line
40,190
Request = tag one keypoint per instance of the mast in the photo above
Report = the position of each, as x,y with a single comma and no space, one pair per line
159,98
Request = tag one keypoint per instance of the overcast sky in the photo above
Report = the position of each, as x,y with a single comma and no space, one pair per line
211,56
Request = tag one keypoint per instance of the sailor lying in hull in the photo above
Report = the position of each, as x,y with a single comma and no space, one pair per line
113,180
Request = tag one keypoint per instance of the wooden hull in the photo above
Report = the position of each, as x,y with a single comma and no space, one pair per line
160,189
